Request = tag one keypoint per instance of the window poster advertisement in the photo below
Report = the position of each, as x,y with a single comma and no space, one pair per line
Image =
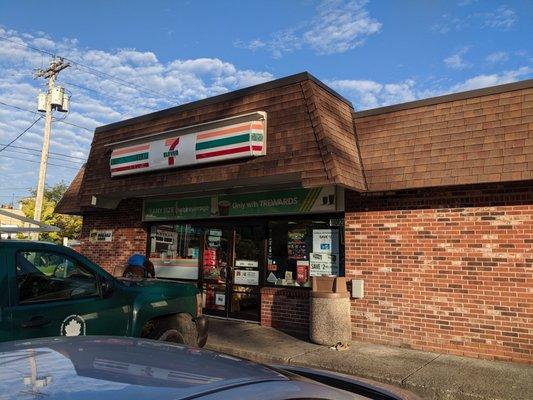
302,271
220,299
323,264
246,277
296,247
326,241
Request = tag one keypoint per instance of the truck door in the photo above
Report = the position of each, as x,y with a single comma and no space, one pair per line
57,295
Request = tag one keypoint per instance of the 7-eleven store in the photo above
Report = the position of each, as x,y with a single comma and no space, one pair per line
251,193
232,243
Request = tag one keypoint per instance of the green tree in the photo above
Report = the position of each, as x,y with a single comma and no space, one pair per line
70,225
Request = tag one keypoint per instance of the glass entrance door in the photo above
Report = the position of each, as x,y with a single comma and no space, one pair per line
249,247
232,261
216,259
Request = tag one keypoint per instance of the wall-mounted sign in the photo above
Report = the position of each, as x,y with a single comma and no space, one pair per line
101,235
246,277
288,201
216,141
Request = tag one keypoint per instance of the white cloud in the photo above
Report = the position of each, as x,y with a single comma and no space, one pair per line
370,94
503,18
96,100
366,94
251,45
464,3
456,61
339,26
497,57
484,80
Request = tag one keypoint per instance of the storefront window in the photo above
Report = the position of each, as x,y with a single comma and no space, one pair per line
175,251
298,250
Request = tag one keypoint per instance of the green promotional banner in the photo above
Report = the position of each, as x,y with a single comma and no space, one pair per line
161,210
289,201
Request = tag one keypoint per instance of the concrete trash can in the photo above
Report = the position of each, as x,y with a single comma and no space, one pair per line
329,314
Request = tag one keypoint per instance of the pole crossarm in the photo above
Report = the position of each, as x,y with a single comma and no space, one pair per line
41,226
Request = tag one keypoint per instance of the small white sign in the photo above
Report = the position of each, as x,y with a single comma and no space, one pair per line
246,277
272,278
323,264
326,241
101,235
220,299
246,263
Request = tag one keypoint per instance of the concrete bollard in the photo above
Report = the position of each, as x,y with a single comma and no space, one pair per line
329,314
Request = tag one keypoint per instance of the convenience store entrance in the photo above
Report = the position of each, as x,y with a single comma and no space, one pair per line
232,261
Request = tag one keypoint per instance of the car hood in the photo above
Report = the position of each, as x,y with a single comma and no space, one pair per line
119,368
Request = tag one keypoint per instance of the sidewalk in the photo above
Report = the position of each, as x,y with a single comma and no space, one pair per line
430,375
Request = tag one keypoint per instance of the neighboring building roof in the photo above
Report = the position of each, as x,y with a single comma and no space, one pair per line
8,220
479,136
315,138
445,98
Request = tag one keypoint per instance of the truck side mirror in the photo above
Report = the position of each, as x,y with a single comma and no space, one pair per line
106,287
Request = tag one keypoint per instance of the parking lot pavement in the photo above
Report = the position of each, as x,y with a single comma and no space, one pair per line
430,375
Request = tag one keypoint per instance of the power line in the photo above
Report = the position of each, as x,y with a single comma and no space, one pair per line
50,152
103,94
51,157
20,134
97,72
73,124
19,108
38,162
55,119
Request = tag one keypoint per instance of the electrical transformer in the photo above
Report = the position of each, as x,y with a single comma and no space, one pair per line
41,102
57,96
65,105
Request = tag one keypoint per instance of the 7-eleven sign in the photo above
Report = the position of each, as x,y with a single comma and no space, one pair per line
172,152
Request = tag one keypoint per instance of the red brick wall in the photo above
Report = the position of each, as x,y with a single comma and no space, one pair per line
285,309
129,234
445,270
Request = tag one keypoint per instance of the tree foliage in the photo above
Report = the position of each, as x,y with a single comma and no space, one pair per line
70,225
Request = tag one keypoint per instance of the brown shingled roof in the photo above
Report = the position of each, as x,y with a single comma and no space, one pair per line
315,139
70,202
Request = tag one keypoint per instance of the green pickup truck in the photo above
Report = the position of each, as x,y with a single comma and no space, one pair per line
51,290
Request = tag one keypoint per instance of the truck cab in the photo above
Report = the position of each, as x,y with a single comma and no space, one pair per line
51,290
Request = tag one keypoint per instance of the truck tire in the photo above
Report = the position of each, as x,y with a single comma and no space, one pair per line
176,329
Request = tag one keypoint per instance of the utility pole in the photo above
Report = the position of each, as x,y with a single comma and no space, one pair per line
54,99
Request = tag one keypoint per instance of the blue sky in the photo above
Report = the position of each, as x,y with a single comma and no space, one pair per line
374,53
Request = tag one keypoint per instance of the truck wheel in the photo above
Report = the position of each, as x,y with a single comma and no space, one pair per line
177,329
